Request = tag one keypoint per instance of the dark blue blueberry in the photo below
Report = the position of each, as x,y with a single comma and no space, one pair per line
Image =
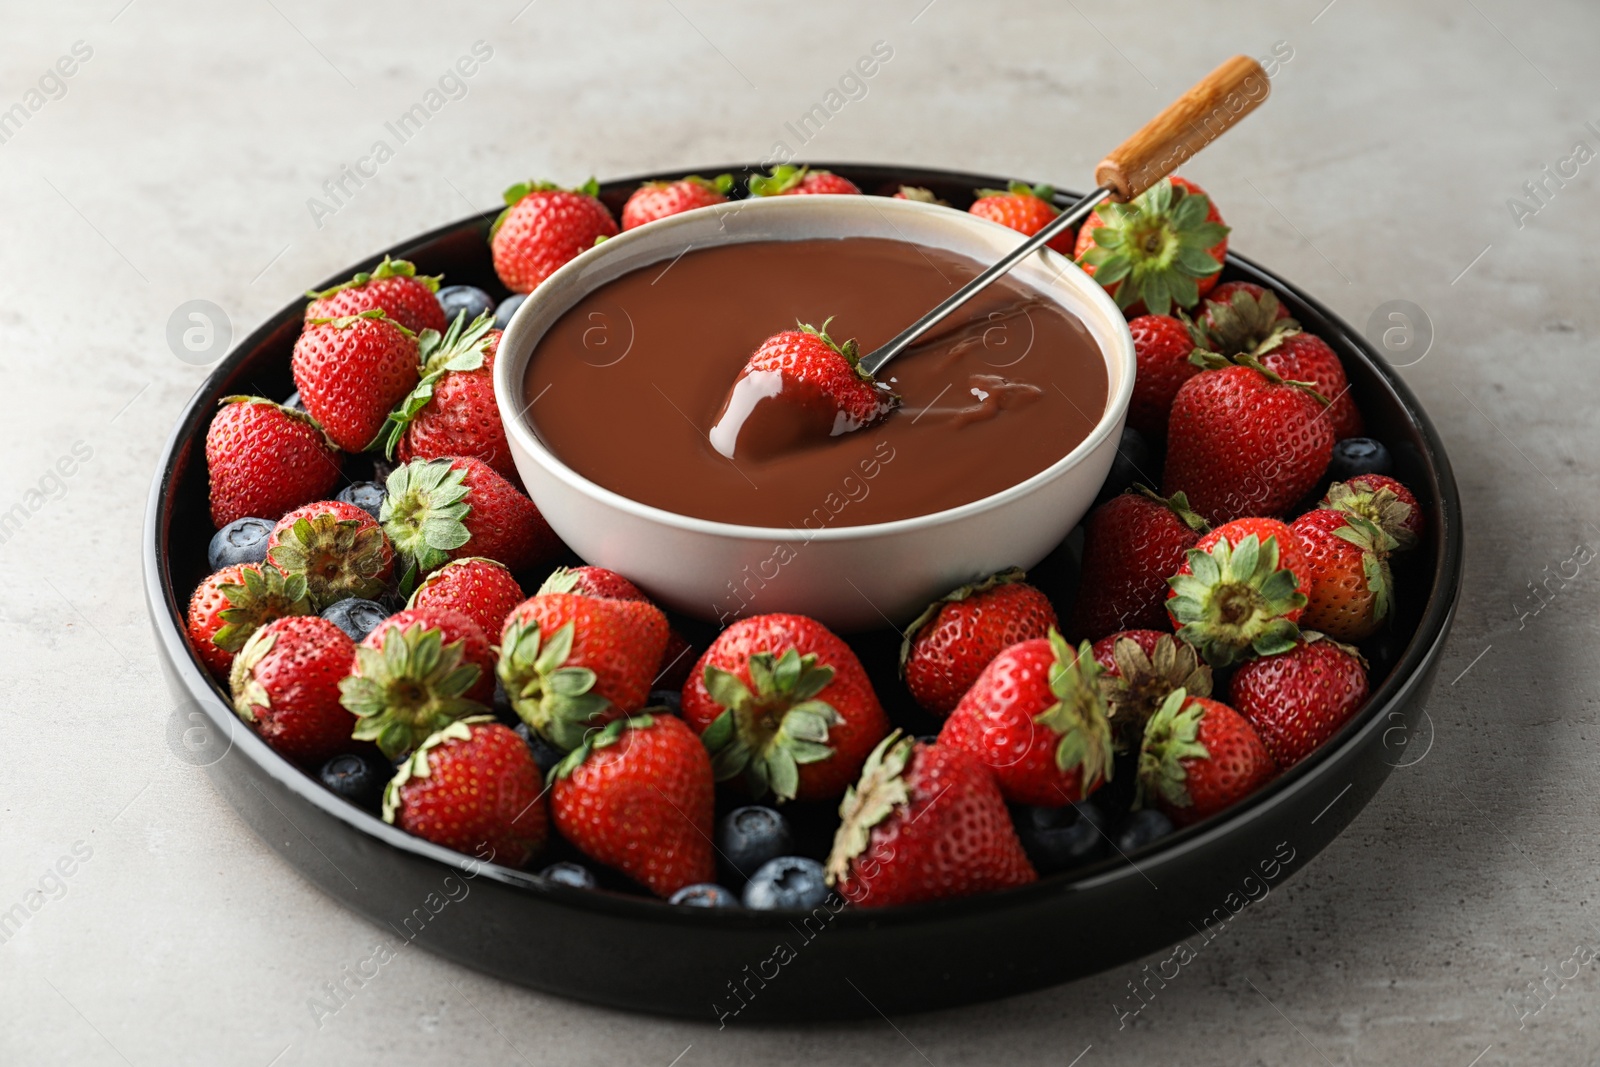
455,299
1135,462
507,308
786,883
544,753
1359,455
1057,839
358,778
1143,827
241,541
295,402
355,616
704,895
368,496
670,699
750,836
574,874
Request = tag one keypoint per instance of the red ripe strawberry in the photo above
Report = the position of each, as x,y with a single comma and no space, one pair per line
591,581
637,796
1161,347
543,227
234,603
657,200
1243,441
481,589
1164,248
1036,717
821,381
1132,544
1246,319
474,787
1298,699
1239,591
1382,501
338,548
570,662
452,411
784,702
448,508
789,180
351,371
925,822
1347,579
418,671
264,459
1199,757
1024,208
1140,668
285,684
953,640
393,287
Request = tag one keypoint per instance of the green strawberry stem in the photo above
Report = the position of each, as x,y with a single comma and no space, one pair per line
460,348
262,594
424,514
879,791
412,686
335,558
419,765
389,268
1170,737
1156,248
1233,602
1079,714
554,699
595,740
768,733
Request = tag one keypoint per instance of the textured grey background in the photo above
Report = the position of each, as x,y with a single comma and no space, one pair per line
178,165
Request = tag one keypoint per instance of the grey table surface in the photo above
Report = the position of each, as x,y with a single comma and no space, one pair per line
179,162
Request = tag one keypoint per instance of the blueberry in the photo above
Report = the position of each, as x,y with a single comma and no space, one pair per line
1143,827
704,895
295,402
368,496
455,299
1135,462
750,836
507,308
670,699
355,616
241,541
359,779
1057,839
788,883
544,753
1359,455
574,874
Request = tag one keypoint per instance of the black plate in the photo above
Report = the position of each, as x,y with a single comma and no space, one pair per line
633,952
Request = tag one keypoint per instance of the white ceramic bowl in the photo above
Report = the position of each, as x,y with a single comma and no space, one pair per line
848,577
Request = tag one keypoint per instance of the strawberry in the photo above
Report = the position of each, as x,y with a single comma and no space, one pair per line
1298,699
919,194
472,786
952,641
1161,347
393,287
234,603
1347,581
1139,669
925,822
415,673
452,410
1241,440
263,459
825,393
1241,318
597,581
1382,501
542,227
1132,544
481,589
1238,593
1164,248
285,684
351,371
447,508
637,796
569,662
1024,208
789,180
1036,717
784,702
338,548
657,200
1199,757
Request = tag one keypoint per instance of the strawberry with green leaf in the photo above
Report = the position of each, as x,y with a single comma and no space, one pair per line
351,371
234,603
418,671
441,509
1200,757
657,200
393,287
1239,591
543,227
337,548
791,180
1165,247
1024,208
452,411
285,685
263,459
1350,589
